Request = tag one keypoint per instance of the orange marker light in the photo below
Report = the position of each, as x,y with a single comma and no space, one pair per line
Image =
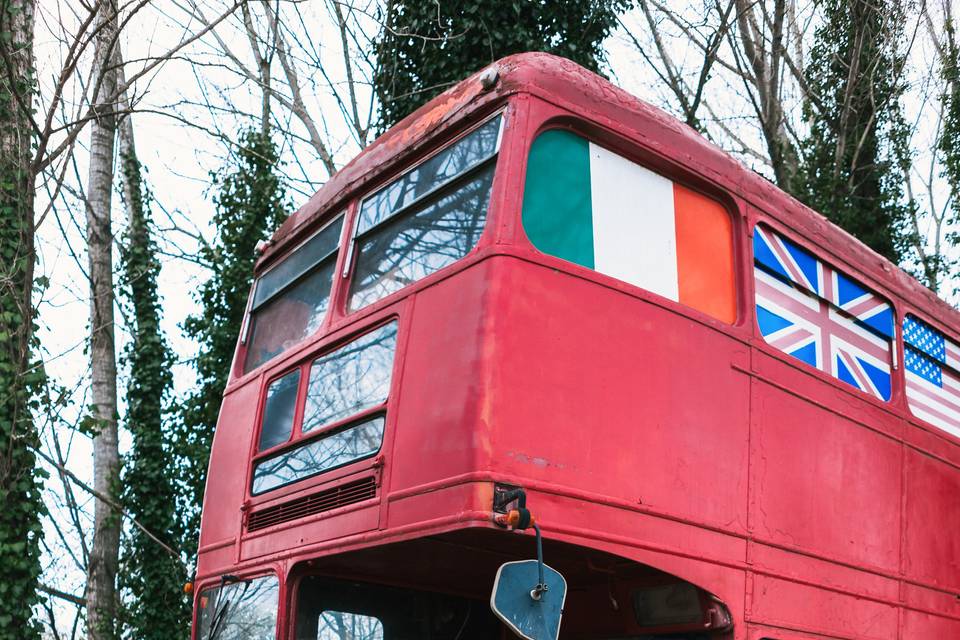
513,518
188,588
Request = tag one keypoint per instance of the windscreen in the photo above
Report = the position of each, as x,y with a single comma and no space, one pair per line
240,610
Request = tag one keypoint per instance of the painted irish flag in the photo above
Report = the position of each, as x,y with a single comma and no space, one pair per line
587,205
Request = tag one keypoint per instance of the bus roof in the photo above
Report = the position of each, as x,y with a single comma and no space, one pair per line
570,86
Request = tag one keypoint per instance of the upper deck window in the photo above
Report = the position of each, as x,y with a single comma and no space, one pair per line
426,219
351,379
590,206
291,299
816,314
279,410
933,375
346,392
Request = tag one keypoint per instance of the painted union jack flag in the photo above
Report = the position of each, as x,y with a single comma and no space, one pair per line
933,383
814,313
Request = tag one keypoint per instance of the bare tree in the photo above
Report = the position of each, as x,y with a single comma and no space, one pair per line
752,50
937,173
296,77
763,58
689,94
105,550
42,132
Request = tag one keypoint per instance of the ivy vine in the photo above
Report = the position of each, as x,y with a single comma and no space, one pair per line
152,578
428,47
250,200
21,377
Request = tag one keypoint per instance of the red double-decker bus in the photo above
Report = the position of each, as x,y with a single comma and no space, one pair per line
729,418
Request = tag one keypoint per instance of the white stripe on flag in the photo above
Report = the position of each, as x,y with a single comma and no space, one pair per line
953,355
634,230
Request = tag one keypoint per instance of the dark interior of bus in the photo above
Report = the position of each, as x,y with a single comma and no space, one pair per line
445,593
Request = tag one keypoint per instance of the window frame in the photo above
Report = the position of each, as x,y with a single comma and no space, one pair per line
249,319
895,341
354,236
297,437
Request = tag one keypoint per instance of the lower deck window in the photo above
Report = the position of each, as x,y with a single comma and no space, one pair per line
344,625
330,609
240,610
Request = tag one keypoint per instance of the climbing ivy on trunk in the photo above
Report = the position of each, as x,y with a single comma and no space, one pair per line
250,204
152,577
20,374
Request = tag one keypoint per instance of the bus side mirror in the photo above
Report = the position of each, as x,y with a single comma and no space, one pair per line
528,602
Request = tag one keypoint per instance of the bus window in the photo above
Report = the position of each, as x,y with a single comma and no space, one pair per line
291,299
317,455
278,410
587,205
428,218
326,608
241,610
351,379
933,375
348,384
821,316
343,625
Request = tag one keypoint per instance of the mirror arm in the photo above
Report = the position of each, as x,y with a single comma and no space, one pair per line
541,587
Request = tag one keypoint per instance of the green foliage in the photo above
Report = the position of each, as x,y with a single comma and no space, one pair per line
856,150
151,576
250,203
429,46
20,377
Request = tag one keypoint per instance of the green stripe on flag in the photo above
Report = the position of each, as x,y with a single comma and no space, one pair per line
557,212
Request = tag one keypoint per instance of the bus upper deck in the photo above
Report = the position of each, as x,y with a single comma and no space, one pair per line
731,419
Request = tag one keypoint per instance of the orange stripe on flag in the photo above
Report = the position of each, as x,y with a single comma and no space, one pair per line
704,254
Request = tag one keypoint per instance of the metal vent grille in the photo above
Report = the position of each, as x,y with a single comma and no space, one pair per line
326,500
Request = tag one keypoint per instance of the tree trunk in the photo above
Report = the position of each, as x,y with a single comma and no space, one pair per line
20,529
104,553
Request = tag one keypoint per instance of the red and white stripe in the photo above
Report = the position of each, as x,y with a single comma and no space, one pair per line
938,406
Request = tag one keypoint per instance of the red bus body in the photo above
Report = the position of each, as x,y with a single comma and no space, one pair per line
654,443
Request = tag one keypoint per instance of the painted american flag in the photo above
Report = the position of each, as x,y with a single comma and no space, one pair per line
933,383
816,314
